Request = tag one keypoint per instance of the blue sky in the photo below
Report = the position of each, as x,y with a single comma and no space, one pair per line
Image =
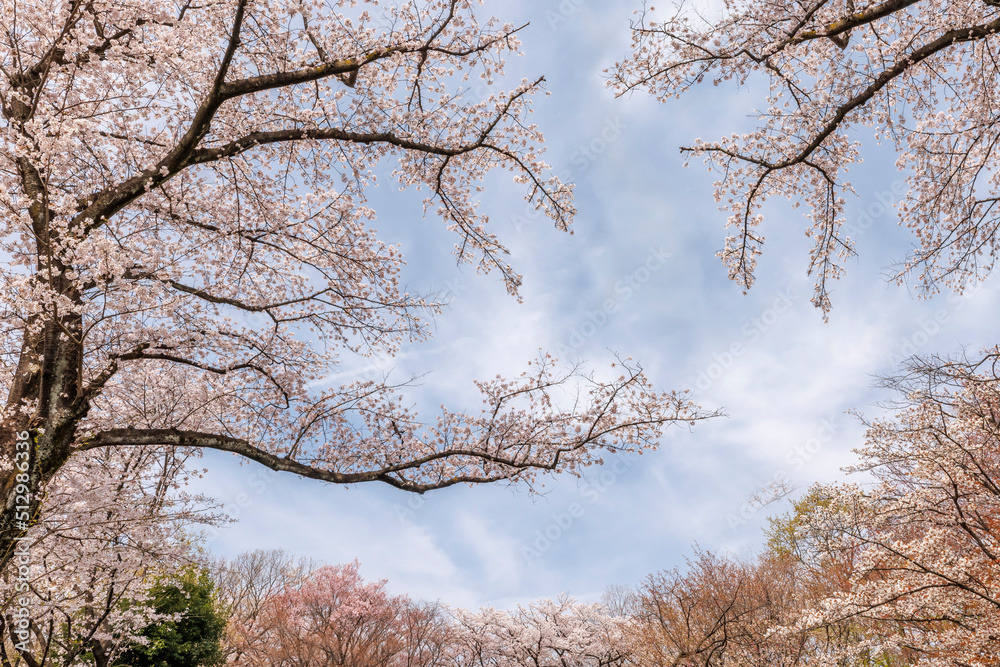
645,239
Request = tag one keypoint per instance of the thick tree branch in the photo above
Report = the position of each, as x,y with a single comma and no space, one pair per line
851,21
144,437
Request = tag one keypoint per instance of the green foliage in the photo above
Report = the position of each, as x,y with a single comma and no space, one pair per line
787,534
191,641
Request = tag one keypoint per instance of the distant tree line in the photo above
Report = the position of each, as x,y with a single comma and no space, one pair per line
898,569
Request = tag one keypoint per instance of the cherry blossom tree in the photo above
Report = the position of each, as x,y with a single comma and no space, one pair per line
921,73
334,617
114,522
899,568
722,611
331,615
547,633
927,533
188,250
